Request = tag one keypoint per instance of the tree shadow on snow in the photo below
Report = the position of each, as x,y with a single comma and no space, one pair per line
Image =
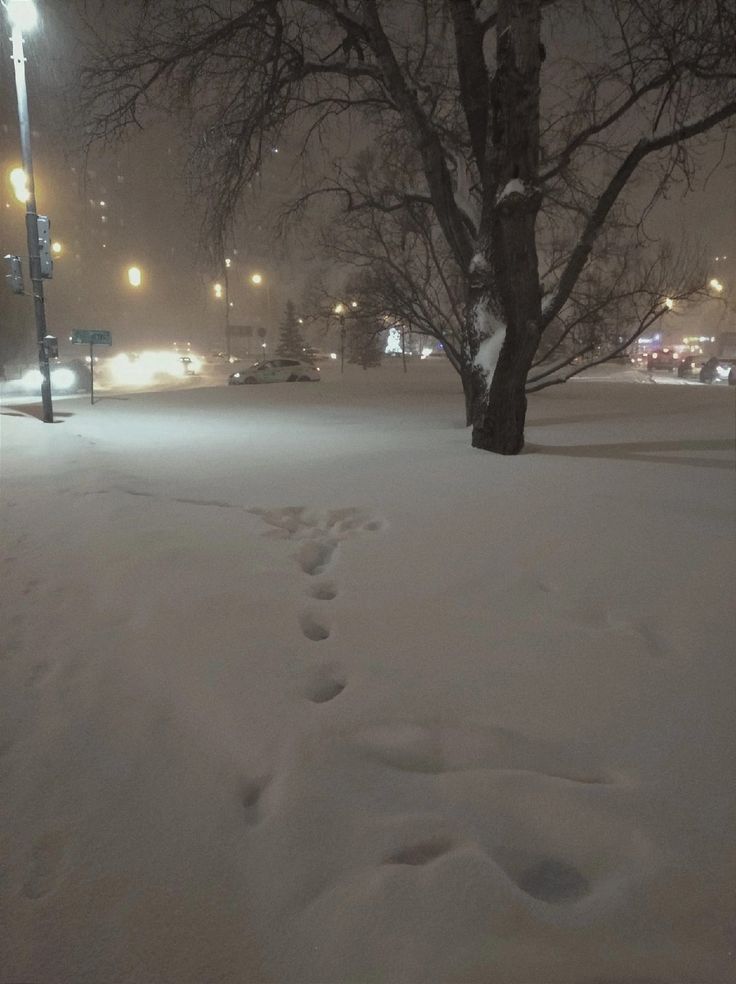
655,451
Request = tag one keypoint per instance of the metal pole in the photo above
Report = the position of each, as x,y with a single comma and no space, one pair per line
34,259
342,343
227,314
91,373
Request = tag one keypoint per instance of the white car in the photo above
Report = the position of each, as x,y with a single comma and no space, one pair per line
276,371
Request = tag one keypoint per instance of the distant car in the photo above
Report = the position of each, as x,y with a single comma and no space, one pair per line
317,356
688,365
187,365
276,371
71,376
665,359
719,370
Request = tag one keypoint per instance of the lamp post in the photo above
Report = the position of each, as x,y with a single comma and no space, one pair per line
226,267
22,15
257,279
341,310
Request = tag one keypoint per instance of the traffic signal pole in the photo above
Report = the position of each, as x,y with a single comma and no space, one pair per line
34,255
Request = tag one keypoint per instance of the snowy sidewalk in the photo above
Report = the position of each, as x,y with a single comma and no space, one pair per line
298,687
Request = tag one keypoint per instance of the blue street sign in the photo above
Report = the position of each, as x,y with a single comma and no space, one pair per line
81,337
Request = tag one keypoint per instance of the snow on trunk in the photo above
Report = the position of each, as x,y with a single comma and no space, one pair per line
491,331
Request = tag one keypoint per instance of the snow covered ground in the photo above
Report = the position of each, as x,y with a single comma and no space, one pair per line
297,687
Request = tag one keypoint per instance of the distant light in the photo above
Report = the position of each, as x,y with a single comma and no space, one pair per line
56,248
134,276
19,181
22,14
263,345
102,204
63,378
340,309
228,262
716,285
256,279
333,355
353,304
300,321
218,290
669,303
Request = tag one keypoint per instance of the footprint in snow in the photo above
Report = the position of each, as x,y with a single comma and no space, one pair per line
323,591
325,685
250,798
313,627
315,556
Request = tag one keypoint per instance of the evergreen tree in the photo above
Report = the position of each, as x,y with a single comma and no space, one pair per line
291,344
364,342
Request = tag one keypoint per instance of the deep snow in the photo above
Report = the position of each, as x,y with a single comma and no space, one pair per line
298,687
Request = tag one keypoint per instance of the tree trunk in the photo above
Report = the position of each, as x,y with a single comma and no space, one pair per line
514,156
500,427
475,391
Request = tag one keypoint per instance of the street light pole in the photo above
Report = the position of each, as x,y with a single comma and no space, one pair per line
343,332
228,352
34,257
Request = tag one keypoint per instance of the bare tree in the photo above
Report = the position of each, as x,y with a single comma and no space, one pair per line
506,124
406,273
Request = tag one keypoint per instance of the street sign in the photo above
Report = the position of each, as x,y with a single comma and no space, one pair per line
81,337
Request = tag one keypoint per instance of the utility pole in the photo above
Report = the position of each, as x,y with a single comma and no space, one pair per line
34,255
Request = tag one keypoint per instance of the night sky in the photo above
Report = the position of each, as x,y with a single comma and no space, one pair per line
148,219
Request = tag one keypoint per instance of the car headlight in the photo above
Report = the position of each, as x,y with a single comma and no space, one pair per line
63,378
236,375
32,379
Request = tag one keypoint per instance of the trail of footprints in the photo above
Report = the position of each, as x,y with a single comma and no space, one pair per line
538,872
319,537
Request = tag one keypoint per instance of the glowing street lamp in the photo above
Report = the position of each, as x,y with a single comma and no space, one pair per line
256,279
218,291
669,303
716,285
19,181
56,248
23,16
135,277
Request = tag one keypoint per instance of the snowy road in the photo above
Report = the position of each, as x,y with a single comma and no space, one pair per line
298,687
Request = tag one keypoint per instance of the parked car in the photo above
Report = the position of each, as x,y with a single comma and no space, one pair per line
276,371
719,370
